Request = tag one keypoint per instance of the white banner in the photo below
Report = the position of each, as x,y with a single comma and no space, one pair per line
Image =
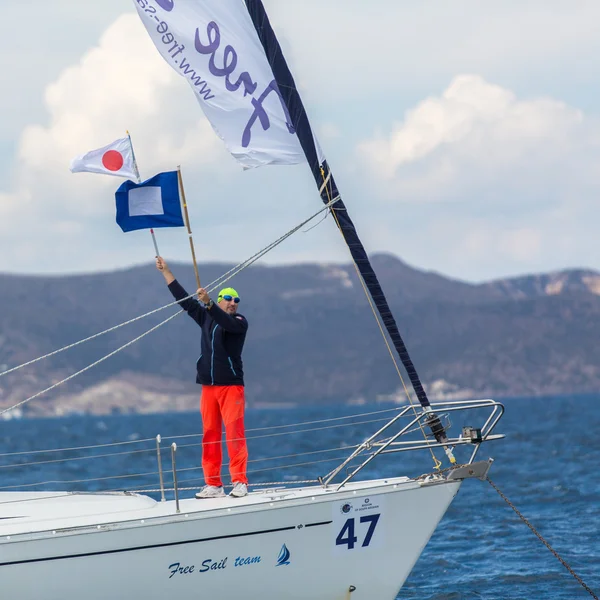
214,45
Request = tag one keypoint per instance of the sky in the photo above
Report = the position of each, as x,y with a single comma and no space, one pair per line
464,137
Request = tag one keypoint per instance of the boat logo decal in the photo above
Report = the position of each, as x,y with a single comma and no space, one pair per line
346,508
284,557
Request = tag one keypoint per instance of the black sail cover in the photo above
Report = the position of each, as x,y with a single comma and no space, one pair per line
326,183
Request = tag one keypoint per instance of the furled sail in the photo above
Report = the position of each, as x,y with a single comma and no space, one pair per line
230,56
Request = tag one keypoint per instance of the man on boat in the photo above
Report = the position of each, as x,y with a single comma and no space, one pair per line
220,372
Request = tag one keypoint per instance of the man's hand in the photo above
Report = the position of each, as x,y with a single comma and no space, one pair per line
163,267
161,264
203,295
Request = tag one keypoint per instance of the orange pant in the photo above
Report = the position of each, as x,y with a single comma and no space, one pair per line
218,404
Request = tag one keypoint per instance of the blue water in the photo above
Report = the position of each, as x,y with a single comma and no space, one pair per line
548,466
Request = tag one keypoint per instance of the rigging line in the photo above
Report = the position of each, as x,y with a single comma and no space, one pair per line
256,460
76,458
96,335
257,437
211,287
325,182
153,473
314,462
324,450
295,425
25,452
541,538
298,454
88,480
316,224
436,462
243,265
270,247
92,365
304,464
177,437
250,485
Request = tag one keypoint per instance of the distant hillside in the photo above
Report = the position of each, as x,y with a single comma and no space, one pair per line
548,284
312,336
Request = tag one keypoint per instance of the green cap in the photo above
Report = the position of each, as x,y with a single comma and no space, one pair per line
227,292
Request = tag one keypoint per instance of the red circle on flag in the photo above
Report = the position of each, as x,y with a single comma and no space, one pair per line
112,160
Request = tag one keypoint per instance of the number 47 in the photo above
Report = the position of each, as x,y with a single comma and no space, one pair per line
347,537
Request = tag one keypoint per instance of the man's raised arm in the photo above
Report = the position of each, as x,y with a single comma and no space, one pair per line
191,306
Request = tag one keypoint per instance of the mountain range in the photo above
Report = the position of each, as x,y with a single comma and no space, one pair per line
312,336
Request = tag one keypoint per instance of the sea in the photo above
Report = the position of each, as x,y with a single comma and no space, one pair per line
547,467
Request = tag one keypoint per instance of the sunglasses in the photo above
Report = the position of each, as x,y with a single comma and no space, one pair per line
230,298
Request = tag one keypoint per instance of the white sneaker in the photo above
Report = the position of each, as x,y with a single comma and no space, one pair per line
239,490
211,491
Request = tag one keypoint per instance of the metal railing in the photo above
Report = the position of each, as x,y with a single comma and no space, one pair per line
483,434
391,437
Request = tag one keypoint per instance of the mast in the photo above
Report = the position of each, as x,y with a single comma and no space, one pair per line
328,191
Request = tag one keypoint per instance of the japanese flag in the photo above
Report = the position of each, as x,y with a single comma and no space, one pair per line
114,159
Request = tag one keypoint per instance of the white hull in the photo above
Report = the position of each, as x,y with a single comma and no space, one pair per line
93,547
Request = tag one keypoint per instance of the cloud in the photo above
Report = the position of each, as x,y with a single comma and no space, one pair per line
479,178
121,84
475,131
508,180
56,221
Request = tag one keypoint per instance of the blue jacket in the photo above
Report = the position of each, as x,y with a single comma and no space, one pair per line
223,337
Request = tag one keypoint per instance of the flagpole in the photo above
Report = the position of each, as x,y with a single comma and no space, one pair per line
154,242
139,180
187,224
135,165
